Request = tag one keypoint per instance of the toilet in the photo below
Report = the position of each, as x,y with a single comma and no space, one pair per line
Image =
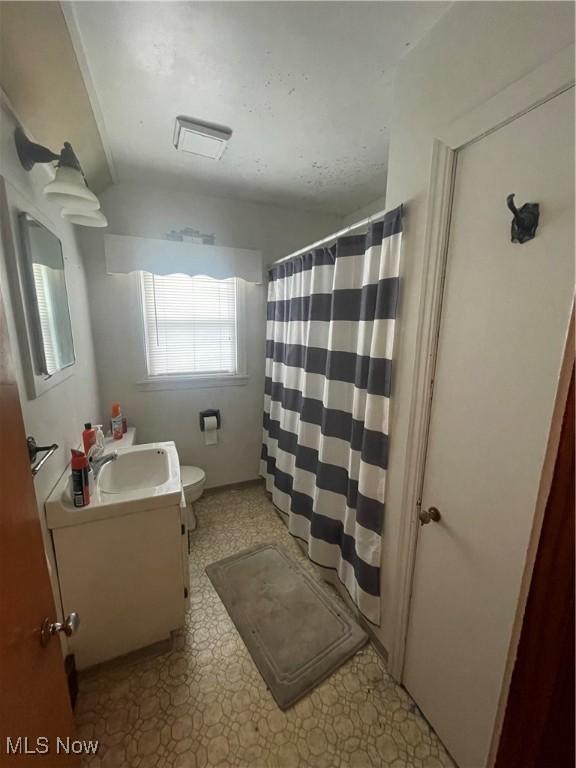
193,480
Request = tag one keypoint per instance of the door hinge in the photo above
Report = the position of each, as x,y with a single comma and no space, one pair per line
186,593
182,529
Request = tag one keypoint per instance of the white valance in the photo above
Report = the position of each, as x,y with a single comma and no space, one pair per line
168,257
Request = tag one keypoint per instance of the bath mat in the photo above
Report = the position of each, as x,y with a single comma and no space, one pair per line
296,633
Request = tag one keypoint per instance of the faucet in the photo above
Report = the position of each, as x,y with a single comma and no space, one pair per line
98,458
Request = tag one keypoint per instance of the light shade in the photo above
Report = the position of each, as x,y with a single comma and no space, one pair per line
70,191
84,218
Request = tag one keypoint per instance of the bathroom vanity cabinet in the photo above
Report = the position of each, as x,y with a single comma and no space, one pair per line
123,569
125,577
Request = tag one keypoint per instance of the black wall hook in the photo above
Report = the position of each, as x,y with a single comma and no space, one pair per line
525,221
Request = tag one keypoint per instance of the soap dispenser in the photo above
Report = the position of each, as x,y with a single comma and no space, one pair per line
100,439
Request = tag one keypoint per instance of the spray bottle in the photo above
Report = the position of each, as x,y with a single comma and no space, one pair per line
80,481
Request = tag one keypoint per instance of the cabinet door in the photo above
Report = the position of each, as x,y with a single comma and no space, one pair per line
124,575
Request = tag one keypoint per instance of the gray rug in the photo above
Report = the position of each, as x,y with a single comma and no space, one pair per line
295,632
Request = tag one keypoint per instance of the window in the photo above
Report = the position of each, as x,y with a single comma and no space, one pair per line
190,325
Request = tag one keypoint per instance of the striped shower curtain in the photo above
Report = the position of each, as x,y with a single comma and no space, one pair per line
329,337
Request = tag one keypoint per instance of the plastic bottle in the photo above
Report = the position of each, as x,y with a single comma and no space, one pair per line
116,421
80,481
100,439
88,437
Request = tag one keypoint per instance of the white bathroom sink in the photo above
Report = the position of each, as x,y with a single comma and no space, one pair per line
142,477
135,470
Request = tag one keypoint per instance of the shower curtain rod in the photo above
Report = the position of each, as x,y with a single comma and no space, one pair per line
333,236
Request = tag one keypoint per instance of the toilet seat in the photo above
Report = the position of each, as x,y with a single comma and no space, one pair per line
191,477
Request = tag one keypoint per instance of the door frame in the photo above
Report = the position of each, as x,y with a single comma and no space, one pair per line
542,84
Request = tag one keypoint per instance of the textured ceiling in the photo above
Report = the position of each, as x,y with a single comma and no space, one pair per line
305,87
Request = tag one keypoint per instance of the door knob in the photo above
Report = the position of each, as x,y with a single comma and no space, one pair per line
69,626
431,515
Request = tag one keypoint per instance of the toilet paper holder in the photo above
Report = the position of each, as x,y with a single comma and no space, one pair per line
205,414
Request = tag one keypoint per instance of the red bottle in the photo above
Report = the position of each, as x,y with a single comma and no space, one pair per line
80,489
88,437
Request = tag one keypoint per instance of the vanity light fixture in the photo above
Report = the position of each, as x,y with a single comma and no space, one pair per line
69,188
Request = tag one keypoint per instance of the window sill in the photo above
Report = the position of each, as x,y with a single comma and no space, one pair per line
192,382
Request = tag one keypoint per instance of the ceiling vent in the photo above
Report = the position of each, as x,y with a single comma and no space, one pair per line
198,138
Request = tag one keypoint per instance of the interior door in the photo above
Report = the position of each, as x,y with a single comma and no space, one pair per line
505,315
34,699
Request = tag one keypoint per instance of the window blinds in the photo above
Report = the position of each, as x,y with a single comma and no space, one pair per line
190,324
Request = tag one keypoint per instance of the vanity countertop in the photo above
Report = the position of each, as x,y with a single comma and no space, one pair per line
128,439
144,477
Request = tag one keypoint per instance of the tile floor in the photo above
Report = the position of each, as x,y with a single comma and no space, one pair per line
205,704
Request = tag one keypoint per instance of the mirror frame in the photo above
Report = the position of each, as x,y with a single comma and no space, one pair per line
13,202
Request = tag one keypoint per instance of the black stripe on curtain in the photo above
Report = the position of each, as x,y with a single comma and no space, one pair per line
370,373
376,301
351,245
319,257
325,528
373,446
328,476
369,512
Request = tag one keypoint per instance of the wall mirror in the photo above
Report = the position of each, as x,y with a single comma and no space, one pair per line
46,299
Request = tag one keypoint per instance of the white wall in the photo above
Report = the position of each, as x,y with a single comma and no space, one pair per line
476,50
367,210
173,414
58,415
